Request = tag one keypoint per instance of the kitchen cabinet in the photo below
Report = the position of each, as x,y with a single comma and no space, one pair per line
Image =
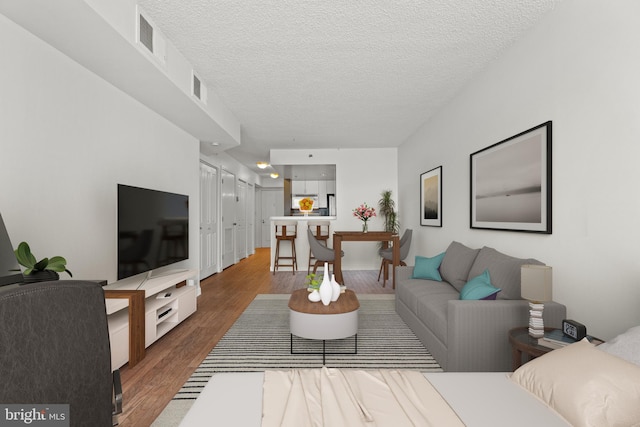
304,187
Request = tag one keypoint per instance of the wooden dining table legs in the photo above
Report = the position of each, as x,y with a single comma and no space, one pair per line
358,236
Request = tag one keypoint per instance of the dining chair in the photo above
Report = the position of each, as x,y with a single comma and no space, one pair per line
387,255
320,252
320,230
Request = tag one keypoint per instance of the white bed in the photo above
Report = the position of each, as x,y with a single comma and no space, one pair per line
553,390
479,399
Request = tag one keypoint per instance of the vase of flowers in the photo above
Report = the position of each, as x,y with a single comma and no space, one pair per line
364,213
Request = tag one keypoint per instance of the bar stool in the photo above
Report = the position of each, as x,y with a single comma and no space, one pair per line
286,231
320,230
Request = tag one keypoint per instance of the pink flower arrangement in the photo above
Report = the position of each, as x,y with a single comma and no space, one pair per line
364,212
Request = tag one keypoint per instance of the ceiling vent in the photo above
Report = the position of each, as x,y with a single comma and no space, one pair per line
198,89
150,39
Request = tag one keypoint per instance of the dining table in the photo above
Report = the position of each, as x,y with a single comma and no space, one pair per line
365,236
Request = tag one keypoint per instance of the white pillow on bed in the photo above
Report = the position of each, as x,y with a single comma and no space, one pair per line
625,345
588,387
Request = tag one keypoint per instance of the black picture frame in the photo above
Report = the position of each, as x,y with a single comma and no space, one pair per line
510,186
431,197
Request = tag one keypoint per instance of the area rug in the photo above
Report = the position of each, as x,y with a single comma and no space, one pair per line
259,340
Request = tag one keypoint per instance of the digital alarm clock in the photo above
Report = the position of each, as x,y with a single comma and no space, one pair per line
574,329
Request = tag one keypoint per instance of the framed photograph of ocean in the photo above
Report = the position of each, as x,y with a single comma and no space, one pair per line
511,183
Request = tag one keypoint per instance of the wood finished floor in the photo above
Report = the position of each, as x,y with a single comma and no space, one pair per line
151,384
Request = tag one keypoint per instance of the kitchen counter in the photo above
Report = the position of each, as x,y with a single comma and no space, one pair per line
302,243
301,217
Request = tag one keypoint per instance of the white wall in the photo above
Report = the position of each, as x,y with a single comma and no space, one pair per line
68,138
361,175
578,68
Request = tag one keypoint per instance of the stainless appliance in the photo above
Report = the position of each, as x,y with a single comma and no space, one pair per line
331,199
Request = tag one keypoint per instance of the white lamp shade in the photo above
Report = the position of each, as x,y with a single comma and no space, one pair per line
536,283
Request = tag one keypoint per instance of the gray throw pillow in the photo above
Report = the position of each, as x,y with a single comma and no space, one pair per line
456,264
504,271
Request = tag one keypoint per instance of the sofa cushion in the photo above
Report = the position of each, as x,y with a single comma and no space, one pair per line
432,309
411,290
456,264
504,271
479,287
428,268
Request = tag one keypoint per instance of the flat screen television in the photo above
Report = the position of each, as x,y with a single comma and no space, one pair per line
9,268
153,229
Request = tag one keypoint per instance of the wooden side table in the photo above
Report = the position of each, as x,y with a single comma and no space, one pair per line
521,342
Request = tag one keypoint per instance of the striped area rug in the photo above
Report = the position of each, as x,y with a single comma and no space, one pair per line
259,340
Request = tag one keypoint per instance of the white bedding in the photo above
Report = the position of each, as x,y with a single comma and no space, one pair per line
479,399
353,397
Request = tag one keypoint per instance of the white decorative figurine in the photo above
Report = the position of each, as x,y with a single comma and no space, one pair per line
325,287
314,296
335,288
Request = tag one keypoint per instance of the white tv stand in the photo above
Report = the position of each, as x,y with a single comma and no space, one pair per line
138,315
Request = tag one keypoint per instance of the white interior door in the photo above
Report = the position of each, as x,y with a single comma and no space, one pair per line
208,220
258,219
251,207
228,188
272,205
241,220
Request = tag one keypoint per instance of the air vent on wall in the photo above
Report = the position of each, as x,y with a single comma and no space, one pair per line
146,33
196,86
198,89
150,38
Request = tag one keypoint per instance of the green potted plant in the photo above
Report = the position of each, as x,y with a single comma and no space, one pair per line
312,281
387,210
39,271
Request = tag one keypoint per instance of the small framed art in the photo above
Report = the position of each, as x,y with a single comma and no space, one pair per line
431,197
511,183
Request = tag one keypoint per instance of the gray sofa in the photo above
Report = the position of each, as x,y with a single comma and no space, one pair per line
468,335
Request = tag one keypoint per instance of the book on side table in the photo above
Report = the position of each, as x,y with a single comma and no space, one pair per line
557,339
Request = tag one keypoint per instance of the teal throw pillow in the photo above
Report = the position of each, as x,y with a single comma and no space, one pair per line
479,287
427,268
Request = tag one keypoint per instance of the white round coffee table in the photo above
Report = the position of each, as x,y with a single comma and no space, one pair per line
314,320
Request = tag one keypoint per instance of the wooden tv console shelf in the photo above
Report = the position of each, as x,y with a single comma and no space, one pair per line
138,315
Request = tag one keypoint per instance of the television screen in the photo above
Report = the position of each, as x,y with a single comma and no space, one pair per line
9,267
153,229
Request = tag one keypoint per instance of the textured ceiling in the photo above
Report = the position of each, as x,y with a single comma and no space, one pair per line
336,73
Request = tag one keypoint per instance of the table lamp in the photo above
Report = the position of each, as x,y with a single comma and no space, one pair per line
536,286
